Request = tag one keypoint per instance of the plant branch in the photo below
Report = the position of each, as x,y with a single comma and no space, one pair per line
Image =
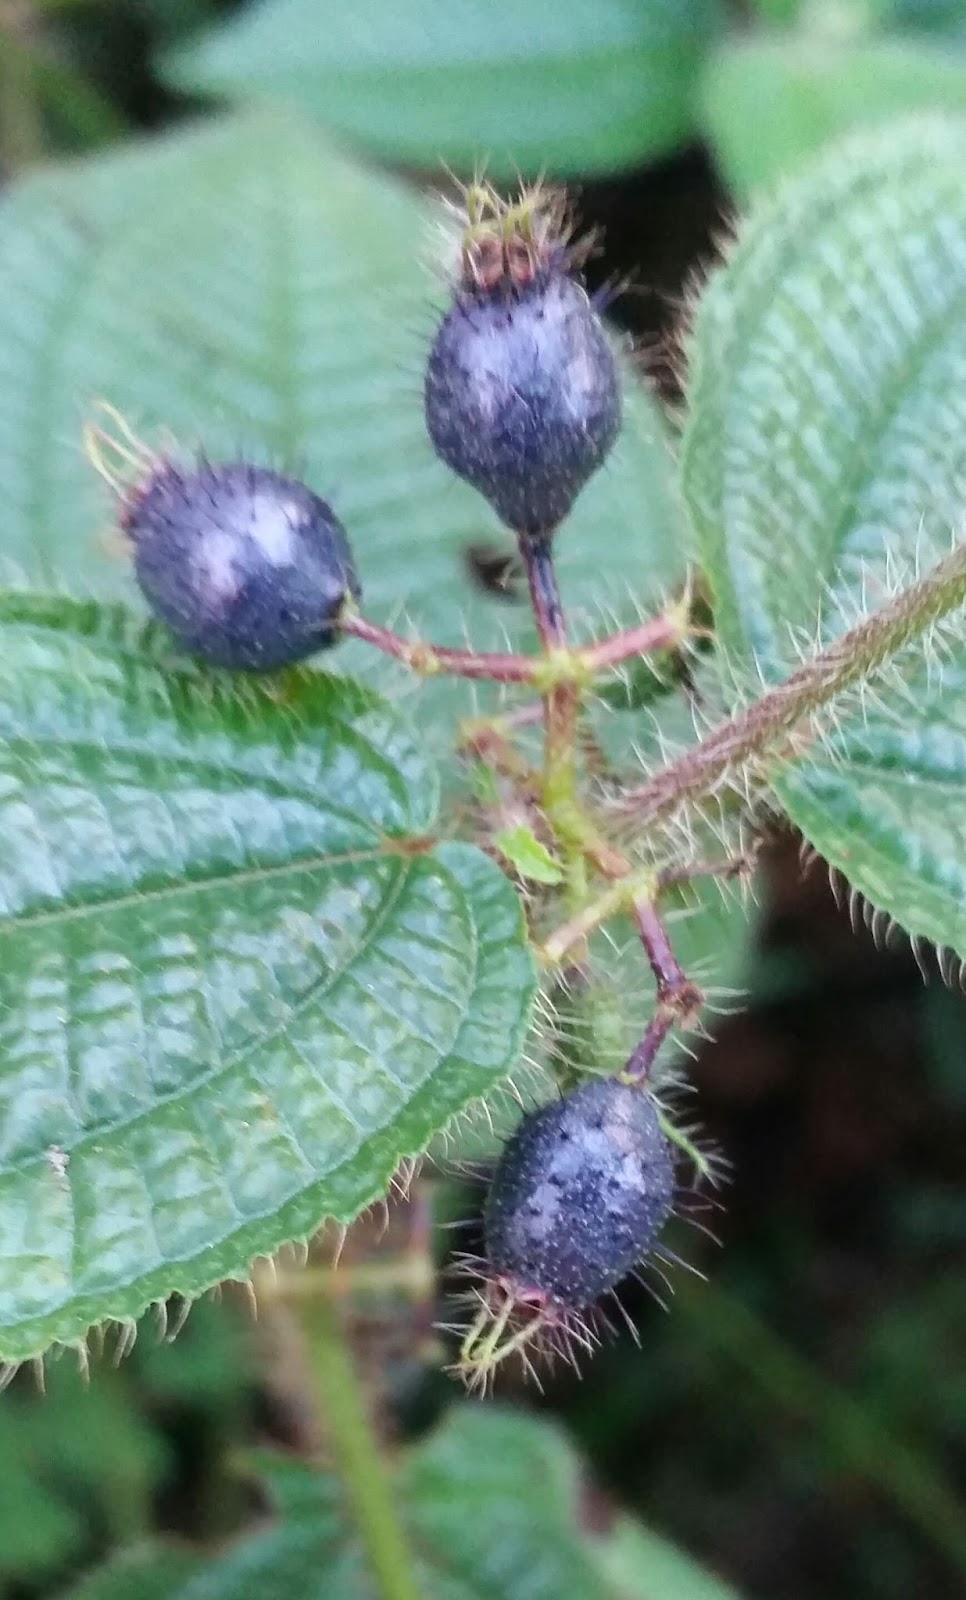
429,660
561,701
620,896
559,673
666,632
678,999
358,1458
772,722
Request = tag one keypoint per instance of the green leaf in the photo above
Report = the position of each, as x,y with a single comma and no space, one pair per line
769,104
944,17
74,1457
524,851
491,1504
238,984
777,10
639,1565
525,1534
248,288
149,1572
826,448
592,86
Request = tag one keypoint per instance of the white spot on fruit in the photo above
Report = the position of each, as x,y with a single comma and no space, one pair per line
216,564
273,527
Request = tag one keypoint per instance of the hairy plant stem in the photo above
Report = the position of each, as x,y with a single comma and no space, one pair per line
773,722
358,1458
769,727
560,665
561,702
678,999
561,710
428,660
619,896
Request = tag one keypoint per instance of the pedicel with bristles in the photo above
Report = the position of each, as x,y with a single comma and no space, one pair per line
522,396
249,569
579,1197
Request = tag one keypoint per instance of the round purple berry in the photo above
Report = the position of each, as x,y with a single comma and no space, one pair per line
249,569
582,1191
522,395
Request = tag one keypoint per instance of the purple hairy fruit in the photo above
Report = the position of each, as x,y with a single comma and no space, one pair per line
522,395
581,1194
582,1191
249,569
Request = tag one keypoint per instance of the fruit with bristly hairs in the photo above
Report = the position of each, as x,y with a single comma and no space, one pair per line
579,1197
522,396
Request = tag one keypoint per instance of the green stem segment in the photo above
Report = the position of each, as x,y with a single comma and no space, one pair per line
561,714
358,1458
562,700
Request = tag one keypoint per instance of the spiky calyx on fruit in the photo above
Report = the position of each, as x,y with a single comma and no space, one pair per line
506,244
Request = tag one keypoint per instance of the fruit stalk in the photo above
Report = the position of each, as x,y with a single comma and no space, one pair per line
561,700
428,660
678,999
664,632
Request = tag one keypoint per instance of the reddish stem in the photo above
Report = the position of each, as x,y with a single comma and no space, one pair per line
537,557
678,999
728,868
638,1068
429,658
672,980
658,633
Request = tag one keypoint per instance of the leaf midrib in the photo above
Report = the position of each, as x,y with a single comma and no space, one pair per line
243,876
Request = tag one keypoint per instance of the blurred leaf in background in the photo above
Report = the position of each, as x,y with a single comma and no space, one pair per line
771,97
493,1505
200,281
588,86
88,1460
768,104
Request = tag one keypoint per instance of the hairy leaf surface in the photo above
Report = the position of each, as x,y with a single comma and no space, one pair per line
824,460
238,981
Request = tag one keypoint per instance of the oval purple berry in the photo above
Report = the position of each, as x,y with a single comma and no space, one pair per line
249,569
582,1191
522,396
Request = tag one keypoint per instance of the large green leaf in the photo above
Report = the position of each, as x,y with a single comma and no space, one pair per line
237,983
591,86
769,104
826,448
491,1504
